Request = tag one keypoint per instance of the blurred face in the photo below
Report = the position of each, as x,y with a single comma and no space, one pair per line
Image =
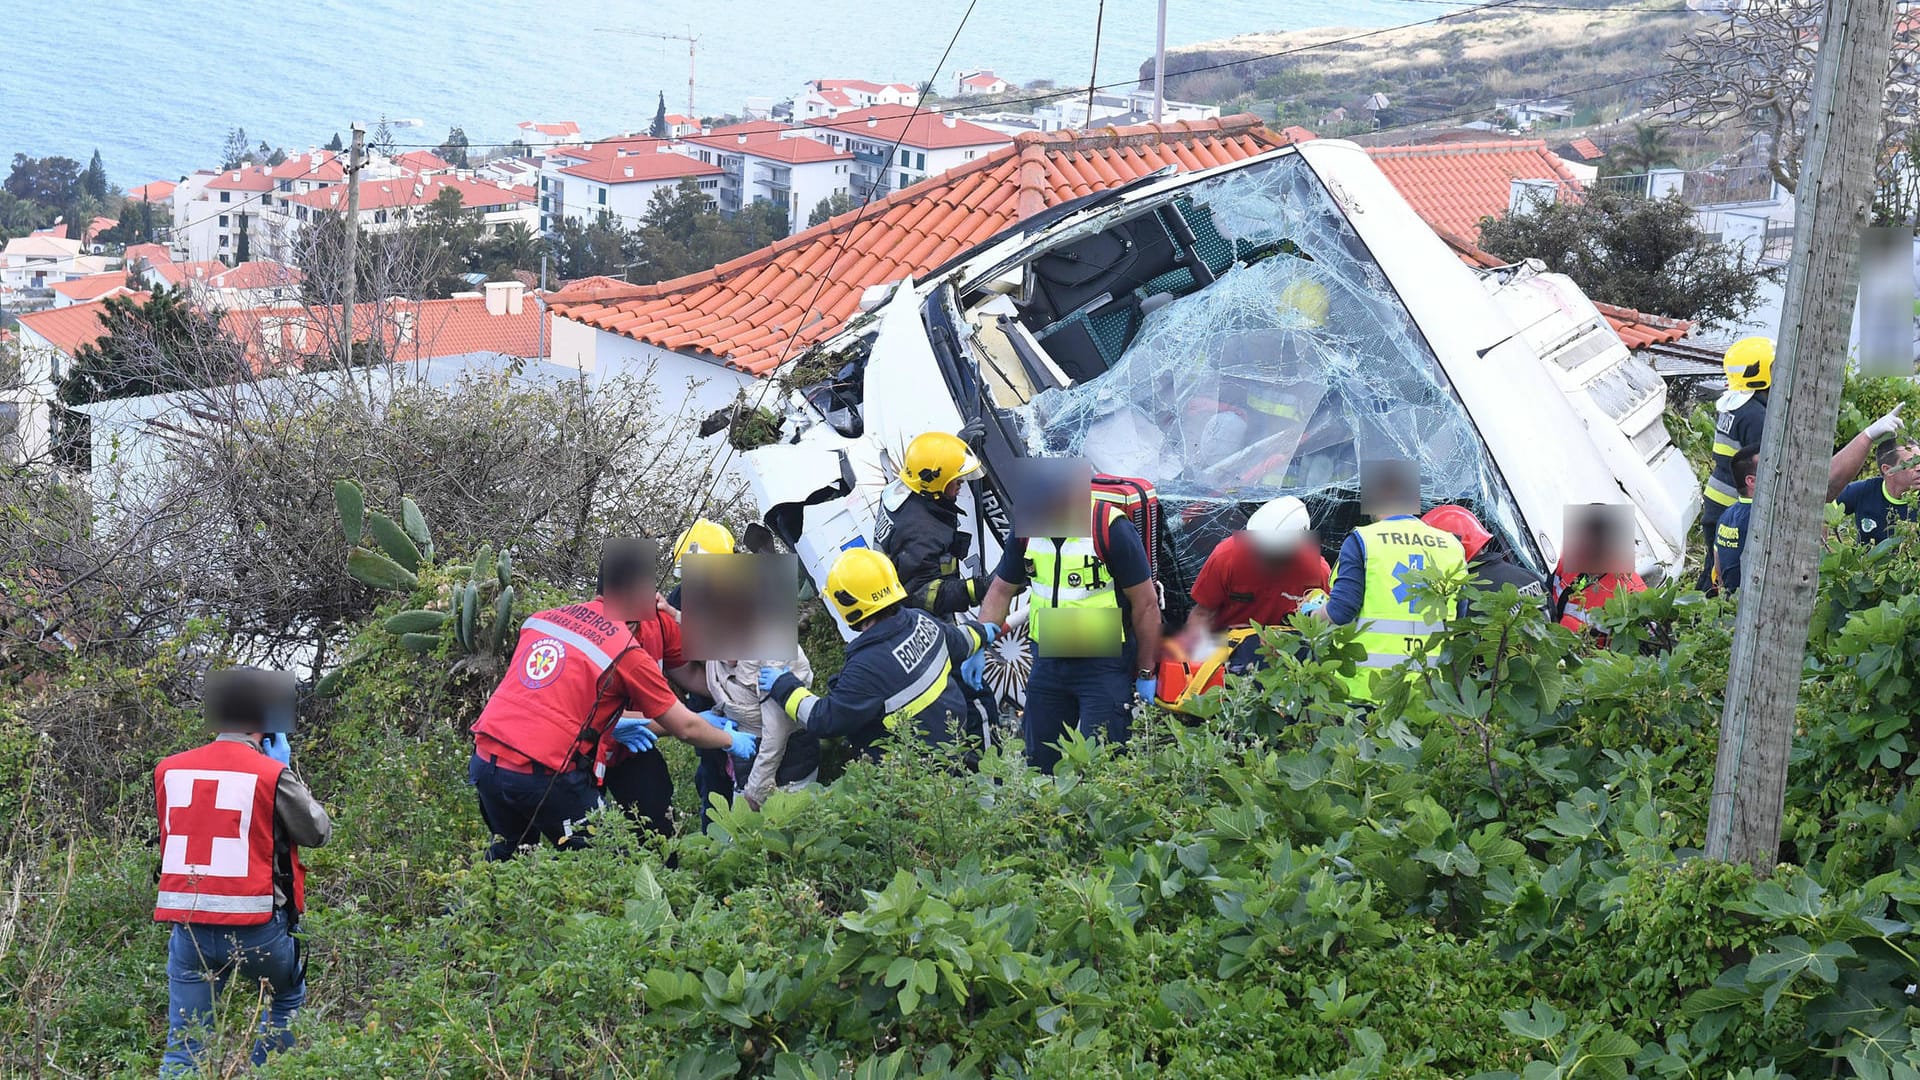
1903,476
632,603
1277,553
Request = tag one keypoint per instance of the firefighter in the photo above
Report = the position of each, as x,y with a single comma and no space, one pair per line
1491,568
578,680
1097,594
1740,415
1374,584
233,817
1730,538
899,669
921,534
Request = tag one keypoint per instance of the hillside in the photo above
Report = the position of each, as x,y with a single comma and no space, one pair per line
1452,70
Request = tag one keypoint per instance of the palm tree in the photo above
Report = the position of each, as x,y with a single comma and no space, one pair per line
1649,149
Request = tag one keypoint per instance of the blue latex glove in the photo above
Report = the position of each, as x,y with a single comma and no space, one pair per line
767,676
633,733
973,670
714,718
1314,601
1146,688
276,747
745,745
993,631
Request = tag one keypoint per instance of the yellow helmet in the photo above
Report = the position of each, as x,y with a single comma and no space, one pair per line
1749,364
861,583
936,459
1309,298
703,537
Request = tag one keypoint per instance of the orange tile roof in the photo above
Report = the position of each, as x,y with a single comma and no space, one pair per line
69,328
423,161
1453,185
460,326
248,179
255,274
157,191
415,191
560,130
93,286
766,306
643,166
768,139
1587,149
152,254
920,129
53,232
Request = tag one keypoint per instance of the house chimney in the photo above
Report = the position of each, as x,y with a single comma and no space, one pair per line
1527,195
873,121
629,171
505,297
402,326
949,121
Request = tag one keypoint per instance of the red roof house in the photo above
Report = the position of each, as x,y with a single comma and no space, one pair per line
1453,185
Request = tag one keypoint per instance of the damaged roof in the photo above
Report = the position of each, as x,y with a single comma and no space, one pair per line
758,310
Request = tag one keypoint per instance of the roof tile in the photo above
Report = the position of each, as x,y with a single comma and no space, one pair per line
1453,185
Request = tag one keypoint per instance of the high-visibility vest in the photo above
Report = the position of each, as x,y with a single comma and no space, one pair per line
1070,574
1393,622
547,708
217,857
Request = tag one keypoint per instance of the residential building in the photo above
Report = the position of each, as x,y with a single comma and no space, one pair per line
155,192
500,322
1452,186
764,161
978,82
44,345
1119,110
679,125
617,177
84,290
422,163
1526,113
30,266
828,98
512,171
719,330
237,214
894,146
215,285
386,205
537,134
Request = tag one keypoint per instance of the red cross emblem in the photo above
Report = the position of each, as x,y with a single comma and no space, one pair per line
202,822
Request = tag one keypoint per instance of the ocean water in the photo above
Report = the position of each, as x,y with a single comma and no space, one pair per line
155,86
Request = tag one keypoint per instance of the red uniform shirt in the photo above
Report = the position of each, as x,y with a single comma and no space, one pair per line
574,671
660,637
1238,586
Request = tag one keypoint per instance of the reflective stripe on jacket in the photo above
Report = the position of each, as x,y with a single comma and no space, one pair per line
1393,621
217,857
1070,574
546,708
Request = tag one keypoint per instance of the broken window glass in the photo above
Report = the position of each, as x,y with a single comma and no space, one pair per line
1280,376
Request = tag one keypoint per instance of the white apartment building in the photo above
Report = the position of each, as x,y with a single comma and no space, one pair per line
893,146
1118,110
831,97
390,204
765,161
618,177
240,214
30,266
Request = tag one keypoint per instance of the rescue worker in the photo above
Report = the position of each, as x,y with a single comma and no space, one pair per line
639,781
1740,415
1578,593
1260,574
921,533
1879,502
578,680
1374,586
233,817
1730,539
899,668
1491,568
713,771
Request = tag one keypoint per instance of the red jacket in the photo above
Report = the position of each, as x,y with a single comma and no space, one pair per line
660,637
1575,595
217,858
573,672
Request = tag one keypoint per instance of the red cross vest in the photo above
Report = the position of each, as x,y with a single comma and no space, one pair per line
217,857
550,708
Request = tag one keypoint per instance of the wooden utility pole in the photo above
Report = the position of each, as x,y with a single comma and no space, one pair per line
355,161
1782,563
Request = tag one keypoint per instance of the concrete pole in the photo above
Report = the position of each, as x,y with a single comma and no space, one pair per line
1783,556
355,161
1160,63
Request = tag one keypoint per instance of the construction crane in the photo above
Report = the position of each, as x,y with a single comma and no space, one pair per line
692,44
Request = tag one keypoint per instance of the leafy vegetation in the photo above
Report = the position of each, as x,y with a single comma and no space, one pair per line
1493,874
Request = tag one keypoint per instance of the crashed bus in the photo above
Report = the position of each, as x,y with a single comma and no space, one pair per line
1232,335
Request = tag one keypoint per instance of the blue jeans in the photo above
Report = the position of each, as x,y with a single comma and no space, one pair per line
200,959
1092,694
521,808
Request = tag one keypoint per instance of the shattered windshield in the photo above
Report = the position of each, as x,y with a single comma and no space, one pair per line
1279,377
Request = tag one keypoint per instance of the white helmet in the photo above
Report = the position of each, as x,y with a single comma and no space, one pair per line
1279,524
